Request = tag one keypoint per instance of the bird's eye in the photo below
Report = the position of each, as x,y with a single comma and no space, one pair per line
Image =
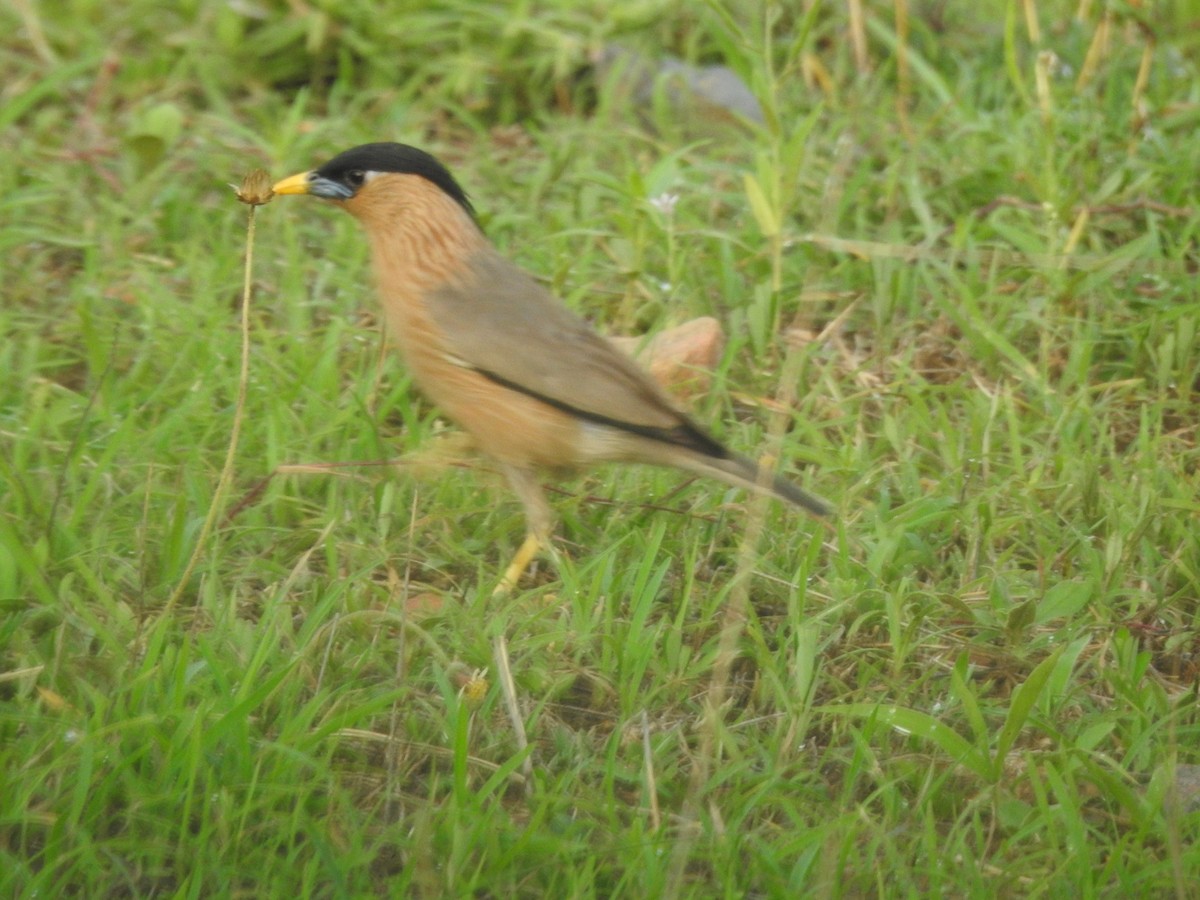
356,177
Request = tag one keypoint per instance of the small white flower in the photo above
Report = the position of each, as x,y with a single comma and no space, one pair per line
665,203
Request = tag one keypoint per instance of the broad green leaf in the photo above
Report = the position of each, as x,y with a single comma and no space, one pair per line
922,725
1064,600
1023,700
768,221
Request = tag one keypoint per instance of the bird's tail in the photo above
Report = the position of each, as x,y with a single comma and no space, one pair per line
743,472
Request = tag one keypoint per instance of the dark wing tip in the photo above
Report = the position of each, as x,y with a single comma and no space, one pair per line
786,490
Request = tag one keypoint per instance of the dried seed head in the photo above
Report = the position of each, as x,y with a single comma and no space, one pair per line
256,188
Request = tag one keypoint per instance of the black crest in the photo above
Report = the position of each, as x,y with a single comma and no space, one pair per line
391,157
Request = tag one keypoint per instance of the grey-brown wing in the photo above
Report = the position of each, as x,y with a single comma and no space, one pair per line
500,321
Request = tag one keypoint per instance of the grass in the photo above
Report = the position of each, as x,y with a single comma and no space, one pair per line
958,279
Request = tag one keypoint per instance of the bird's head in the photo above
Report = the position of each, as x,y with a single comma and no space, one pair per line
371,174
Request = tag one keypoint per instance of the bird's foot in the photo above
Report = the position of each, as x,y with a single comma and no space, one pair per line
520,562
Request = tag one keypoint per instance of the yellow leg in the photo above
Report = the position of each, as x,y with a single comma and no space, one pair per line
541,522
520,562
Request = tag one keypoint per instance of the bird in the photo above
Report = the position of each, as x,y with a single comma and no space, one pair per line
532,382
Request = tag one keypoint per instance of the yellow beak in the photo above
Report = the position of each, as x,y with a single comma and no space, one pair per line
293,184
